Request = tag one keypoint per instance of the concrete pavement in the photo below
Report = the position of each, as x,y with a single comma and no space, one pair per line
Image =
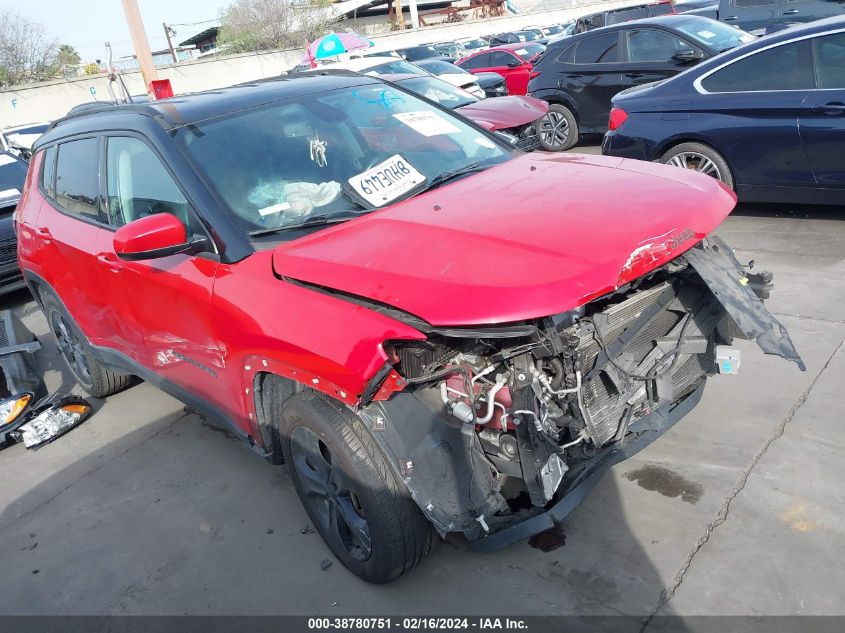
147,509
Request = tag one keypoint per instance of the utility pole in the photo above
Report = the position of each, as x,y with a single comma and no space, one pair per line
415,16
139,42
167,32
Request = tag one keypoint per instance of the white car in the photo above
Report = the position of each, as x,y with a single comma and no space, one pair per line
452,74
19,139
395,66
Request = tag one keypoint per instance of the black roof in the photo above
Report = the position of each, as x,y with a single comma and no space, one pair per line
201,36
195,107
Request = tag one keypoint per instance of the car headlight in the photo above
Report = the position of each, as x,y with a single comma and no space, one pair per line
53,421
12,408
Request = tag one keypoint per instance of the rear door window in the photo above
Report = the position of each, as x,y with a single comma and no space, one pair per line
829,56
785,67
48,172
78,177
481,60
599,49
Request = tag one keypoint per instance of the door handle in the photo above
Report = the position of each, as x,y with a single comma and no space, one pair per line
110,261
573,75
791,12
831,109
44,234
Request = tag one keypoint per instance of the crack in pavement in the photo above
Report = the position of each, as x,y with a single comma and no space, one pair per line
808,317
722,515
92,471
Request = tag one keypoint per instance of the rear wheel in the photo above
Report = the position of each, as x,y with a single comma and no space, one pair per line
94,377
558,129
361,509
701,158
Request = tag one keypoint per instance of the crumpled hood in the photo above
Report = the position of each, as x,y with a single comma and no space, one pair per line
538,235
505,112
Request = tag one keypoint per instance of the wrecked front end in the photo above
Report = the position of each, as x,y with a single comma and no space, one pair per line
501,431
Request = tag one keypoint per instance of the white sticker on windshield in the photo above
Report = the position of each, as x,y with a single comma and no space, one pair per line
275,208
707,34
5,159
485,142
427,123
386,181
522,51
9,193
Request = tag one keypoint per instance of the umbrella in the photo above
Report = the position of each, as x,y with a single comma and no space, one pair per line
334,44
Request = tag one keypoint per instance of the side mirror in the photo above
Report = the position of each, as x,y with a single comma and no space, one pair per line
154,236
685,55
514,64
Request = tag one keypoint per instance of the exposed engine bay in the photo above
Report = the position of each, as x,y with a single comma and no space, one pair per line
532,407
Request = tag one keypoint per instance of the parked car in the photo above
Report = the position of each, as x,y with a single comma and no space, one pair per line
453,74
377,66
513,61
493,84
533,34
514,117
453,50
472,44
760,18
626,14
767,119
509,37
19,139
579,75
416,53
12,178
360,285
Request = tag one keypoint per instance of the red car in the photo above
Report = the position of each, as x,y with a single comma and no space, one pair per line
514,116
436,333
513,61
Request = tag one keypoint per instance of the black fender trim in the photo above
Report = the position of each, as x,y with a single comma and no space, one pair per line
576,490
442,466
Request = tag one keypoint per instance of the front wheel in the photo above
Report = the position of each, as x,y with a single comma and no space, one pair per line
701,158
94,377
558,129
361,509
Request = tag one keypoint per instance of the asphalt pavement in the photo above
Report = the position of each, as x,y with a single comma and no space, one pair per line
148,509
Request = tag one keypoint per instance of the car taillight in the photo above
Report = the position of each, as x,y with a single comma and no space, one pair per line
617,117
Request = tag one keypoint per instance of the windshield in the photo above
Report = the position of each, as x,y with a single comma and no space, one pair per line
442,68
529,51
714,35
473,44
12,176
399,67
420,52
438,90
326,158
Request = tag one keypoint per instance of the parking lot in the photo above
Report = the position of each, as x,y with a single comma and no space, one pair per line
148,509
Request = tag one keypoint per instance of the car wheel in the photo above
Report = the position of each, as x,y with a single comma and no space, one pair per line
700,158
558,129
94,377
358,505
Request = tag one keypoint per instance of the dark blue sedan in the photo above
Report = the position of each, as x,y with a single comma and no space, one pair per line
767,118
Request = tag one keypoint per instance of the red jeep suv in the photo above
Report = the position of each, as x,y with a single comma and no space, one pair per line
435,332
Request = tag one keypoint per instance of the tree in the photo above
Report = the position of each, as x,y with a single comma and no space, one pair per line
257,25
67,61
27,53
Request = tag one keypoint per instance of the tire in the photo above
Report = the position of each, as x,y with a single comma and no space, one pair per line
558,129
94,377
358,505
701,158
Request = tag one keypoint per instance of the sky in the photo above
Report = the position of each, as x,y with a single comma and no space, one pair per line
88,24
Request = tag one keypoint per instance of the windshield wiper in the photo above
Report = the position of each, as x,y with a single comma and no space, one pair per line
314,220
446,176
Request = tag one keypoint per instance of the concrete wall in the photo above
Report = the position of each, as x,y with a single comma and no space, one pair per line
49,101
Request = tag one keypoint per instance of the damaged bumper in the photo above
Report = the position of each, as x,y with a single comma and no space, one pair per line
500,442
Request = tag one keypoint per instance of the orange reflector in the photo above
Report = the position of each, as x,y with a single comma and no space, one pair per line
79,409
20,405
